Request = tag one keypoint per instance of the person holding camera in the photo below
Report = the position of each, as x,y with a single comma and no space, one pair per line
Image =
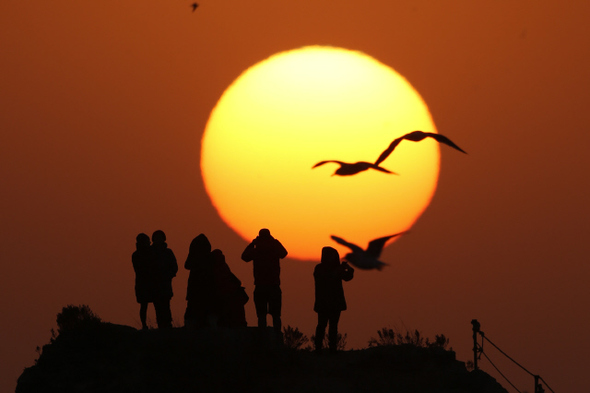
329,296
266,252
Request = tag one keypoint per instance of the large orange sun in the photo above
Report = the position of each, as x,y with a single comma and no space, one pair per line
296,108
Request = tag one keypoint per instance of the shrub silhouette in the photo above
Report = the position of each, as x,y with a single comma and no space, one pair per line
389,337
440,341
293,338
76,317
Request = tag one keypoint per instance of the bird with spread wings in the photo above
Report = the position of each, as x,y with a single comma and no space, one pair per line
366,259
416,136
348,169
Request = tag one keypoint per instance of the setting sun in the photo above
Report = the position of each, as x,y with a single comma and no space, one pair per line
296,108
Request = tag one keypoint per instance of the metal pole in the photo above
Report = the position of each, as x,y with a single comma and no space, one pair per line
538,387
476,327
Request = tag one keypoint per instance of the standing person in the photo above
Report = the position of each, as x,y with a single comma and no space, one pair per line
145,277
166,269
266,252
230,294
329,296
200,291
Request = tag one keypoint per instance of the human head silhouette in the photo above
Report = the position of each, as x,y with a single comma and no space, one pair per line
142,241
218,256
200,245
330,256
264,233
159,237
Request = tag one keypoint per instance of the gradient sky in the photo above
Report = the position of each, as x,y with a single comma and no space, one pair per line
103,104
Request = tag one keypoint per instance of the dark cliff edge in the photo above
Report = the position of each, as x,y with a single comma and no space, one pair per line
106,357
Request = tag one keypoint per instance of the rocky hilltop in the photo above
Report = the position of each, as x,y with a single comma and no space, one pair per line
105,357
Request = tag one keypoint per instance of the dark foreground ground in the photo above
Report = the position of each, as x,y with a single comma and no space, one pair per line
116,358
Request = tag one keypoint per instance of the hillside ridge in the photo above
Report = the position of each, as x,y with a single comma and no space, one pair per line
106,357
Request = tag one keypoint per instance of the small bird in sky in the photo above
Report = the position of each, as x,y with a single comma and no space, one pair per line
194,5
416,136
347,169
366,259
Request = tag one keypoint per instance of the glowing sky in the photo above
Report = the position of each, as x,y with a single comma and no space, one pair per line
103,105
299,107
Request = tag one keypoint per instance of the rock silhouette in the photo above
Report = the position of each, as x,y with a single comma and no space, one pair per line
105,357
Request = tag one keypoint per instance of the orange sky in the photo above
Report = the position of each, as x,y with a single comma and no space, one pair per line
102,107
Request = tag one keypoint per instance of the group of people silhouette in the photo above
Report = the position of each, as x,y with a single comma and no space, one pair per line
215,296
155,266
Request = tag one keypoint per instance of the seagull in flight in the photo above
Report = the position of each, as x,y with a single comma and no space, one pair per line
347,169
366,259
194,5
416,136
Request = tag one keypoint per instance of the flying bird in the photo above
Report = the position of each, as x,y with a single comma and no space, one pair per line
194,5
416,136
347,169
366,259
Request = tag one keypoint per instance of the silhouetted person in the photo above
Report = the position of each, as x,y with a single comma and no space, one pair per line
266,252
166,267
329,296
200,292
230,294
145,275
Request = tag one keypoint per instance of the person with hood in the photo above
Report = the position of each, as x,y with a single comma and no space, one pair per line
230,294
200,291
266,252
329,296
145,275
167,268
